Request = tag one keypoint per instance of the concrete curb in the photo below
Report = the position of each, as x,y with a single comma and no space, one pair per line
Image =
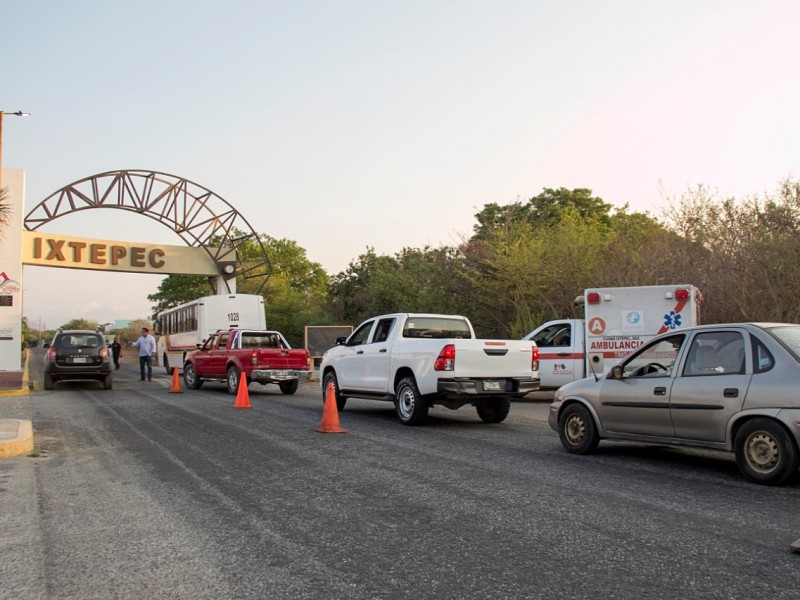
25,380
16,437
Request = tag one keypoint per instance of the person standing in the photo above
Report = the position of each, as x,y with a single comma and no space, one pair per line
116,352
147,348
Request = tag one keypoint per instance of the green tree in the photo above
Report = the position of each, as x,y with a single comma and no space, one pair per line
546,209
177,289
80,324
413,280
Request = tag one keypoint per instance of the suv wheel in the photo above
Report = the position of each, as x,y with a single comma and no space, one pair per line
48,382
108,382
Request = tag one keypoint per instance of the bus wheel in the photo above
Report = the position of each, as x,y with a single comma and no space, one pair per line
166,364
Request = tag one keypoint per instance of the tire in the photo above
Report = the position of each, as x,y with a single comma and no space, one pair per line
190,378
330,377
48,382
288,387
411,407
765,452
233,379
494,410
108,382
577,430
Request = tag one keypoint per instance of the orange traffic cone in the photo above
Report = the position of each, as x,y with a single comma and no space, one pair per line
176,382
242,395
330,415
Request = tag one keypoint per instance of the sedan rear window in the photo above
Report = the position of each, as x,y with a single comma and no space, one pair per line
789,336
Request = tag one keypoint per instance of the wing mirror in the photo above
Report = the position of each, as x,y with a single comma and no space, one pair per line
616,372
341,340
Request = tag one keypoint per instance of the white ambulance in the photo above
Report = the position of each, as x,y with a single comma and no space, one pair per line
616,322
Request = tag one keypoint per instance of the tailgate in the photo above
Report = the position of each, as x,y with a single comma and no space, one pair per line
274,358
493,358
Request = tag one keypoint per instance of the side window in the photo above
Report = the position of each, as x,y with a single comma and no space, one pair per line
762,359
657,359
361,335
557,335
223,340
715,353
209,342
383,329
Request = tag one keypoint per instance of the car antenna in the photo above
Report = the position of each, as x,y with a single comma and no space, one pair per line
589,362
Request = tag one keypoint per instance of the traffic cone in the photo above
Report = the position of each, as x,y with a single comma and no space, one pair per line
176,382
242,395
330,415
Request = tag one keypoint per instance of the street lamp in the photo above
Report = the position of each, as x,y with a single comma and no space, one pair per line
17,113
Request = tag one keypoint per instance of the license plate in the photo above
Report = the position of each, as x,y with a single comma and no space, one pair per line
81,359
491,386
281,373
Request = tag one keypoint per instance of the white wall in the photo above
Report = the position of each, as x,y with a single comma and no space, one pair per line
11,286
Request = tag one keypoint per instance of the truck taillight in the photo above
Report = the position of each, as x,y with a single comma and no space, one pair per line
593,298
681,294
535,358
446,360
254,358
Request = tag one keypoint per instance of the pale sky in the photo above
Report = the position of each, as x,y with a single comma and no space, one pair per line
344,125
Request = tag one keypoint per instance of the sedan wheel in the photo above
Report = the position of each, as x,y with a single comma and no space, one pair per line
577,430
765,452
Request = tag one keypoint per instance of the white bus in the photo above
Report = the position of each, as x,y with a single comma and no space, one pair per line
181,328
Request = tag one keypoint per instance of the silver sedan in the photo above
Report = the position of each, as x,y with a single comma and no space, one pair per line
733,387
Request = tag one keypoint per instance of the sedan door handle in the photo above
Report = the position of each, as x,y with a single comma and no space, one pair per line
731,392
660,391
360,352
382,350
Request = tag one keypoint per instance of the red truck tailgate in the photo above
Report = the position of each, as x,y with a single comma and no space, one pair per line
275,358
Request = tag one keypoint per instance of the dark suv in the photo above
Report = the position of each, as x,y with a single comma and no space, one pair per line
78,354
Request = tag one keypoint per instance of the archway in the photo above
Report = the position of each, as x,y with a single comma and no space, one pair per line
197,215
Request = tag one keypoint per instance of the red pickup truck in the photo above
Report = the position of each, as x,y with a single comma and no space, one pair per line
261,356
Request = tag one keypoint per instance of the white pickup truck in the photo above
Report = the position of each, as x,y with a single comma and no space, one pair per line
418,360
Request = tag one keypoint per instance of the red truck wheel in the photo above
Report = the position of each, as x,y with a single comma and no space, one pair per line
288,387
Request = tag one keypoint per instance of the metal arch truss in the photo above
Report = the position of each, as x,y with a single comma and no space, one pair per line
196,214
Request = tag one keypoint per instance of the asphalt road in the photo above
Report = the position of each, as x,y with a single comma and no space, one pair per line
139,492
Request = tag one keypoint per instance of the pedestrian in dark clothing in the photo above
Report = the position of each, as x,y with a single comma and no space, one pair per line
116,352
